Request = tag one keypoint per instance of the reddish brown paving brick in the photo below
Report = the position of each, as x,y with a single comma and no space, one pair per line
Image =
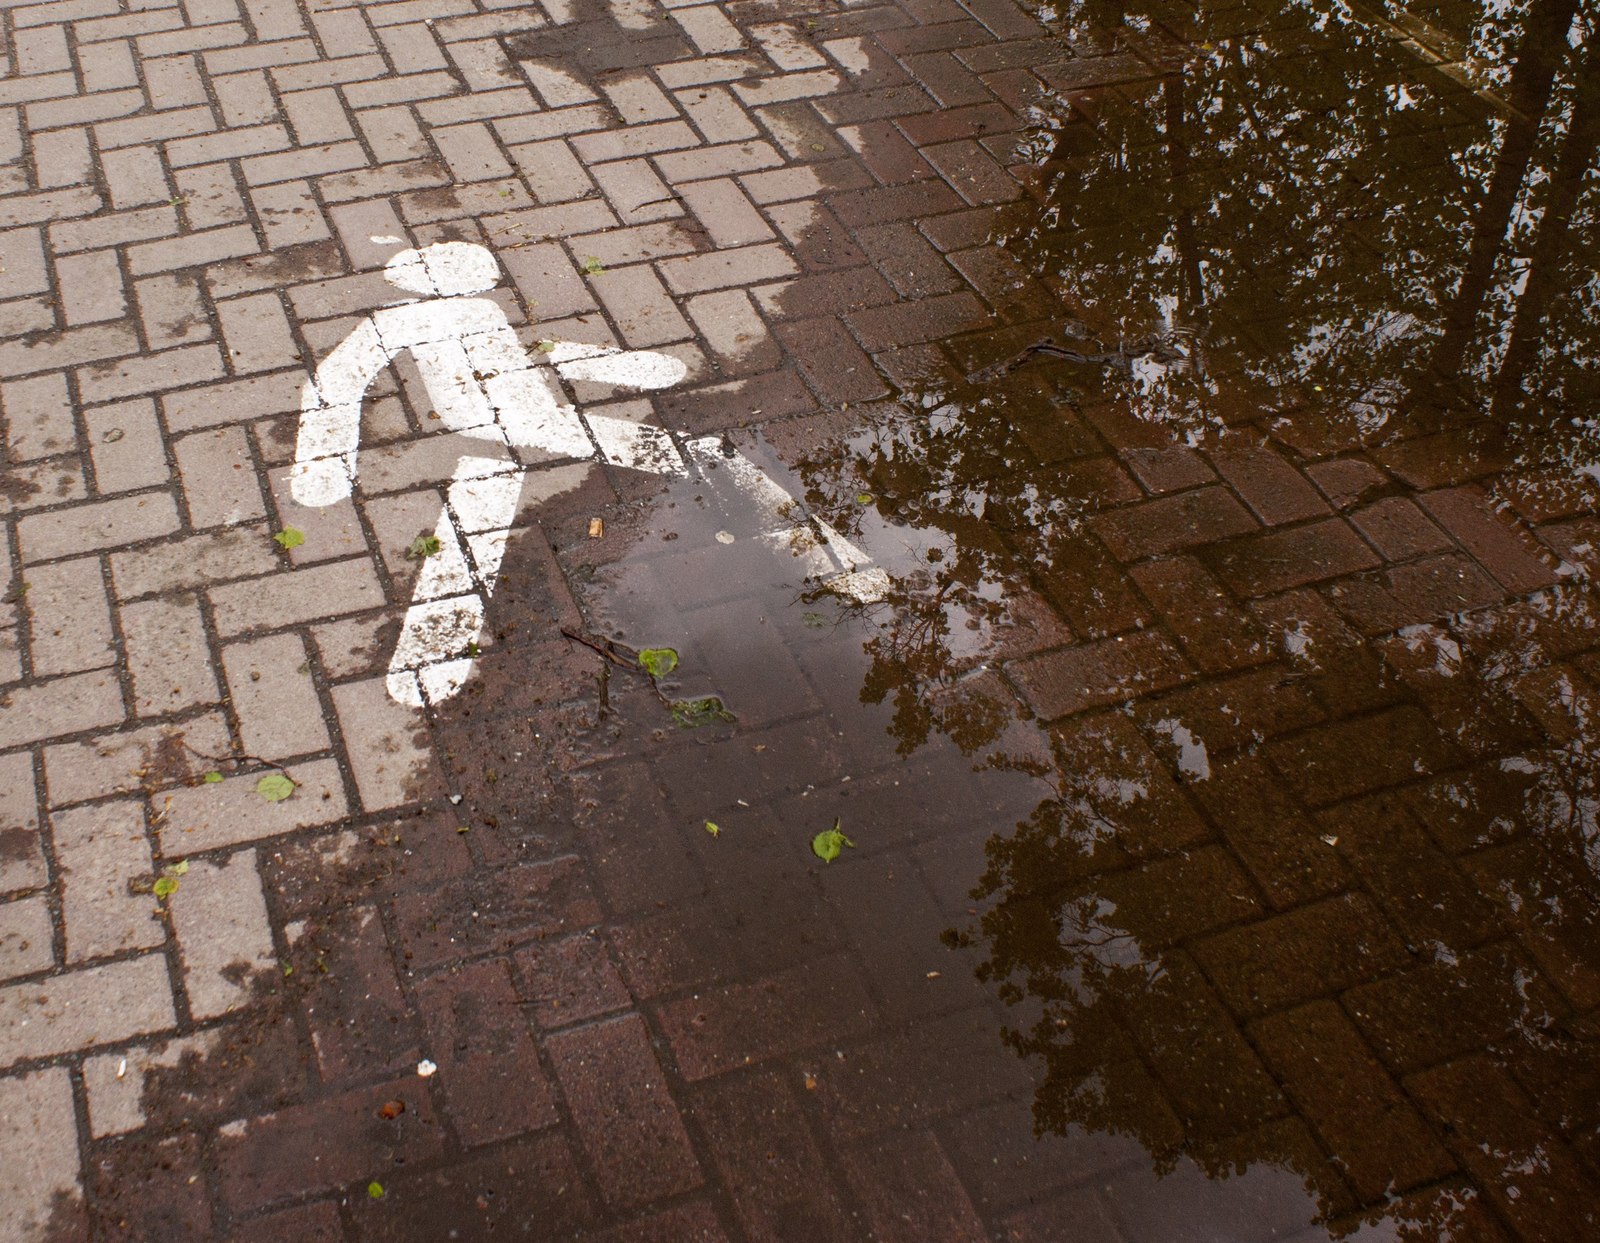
613,1084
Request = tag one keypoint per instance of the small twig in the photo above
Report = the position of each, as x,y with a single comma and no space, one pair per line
233,759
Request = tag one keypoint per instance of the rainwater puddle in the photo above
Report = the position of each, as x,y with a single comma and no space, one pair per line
1220,759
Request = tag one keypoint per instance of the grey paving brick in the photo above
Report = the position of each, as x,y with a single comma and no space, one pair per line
39,1183
152,373
22,861
92,1006
167,655
99,524
171,310
220,483
115,1082
310,594
135,177
127,447
26,939
38,417
101,851
91,287
385,742
231,813
69,617
317,116
219,917
640,306
269,684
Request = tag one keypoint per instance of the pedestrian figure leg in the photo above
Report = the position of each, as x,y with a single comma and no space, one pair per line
439,637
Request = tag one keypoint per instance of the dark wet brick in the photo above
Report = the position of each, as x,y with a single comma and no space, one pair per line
310,1223
1003,1164
1227,713
834,365
1421,592
1398,529
569,981
489,1073
324,1144
1523,1167
149,1188
1174,468
463,917
688,1223
637,853
500,1192
1212,1078
1203,516
673,951
1345,480
1180,897
1429,899
1271,835
1362,754
1374,1134
358,1017
1215,633
1060,683
1090,590
1274,490
624,1112
1561,939
1292,558
1449,1008
926,319
1343,673
1083,1210
1503,548
882,902
909,1077
910,1192
737,1025
775,1176
1301,954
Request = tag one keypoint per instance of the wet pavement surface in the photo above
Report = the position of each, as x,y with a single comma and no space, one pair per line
1213,390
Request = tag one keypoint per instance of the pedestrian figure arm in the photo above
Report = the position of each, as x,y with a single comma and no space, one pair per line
330,418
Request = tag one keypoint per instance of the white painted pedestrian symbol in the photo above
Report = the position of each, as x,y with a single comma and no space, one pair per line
484,385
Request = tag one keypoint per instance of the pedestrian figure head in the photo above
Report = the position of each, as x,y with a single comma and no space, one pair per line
444,270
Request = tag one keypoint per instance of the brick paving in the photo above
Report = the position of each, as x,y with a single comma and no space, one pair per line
642,1030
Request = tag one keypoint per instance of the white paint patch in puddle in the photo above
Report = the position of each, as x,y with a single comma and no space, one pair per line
483,384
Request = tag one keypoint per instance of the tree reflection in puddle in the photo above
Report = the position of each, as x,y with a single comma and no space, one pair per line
1316,885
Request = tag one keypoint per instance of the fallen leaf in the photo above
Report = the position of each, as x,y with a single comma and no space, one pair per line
692,713
275,787
658,661
546,347
597,528
180,868
290,537
212,778
423,546
811,1082
165,886
593,266
392,1109
863,498
375,1190
827,844
713,828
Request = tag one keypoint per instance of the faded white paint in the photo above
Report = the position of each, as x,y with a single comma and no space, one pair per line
484,384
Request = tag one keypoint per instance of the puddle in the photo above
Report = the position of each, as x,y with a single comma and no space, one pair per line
1282,904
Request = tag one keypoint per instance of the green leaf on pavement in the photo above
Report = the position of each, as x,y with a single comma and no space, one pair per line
713,828
658,661
827,844
180,868
165,886
212,777
546,347
691,713
375,1190
423,546
290,537
593,266
275,787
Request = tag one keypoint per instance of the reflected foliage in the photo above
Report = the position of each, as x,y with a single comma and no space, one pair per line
1347,227
1368,232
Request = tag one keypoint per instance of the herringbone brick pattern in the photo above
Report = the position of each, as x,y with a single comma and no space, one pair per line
796,199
